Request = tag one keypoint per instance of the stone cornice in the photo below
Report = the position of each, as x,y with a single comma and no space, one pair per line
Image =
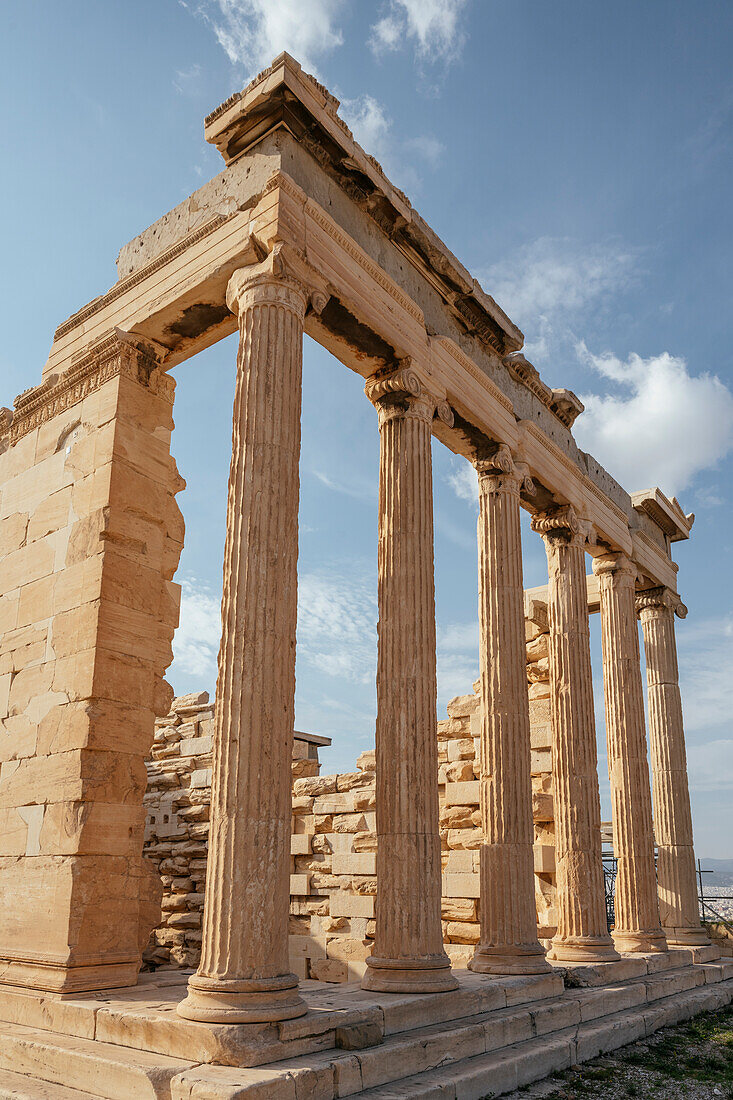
140,275
117,354
283,95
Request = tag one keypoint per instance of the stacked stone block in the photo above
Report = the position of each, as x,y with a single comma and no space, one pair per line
333,881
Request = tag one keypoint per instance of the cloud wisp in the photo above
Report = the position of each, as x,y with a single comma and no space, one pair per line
662,426
337,625
253,32
372,127
432,27
549,284
196,641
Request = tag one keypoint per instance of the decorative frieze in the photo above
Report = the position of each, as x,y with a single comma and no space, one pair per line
117,354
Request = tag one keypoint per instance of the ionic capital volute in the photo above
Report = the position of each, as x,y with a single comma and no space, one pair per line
615,565
502,470
402,393
281,276
562,523
660,599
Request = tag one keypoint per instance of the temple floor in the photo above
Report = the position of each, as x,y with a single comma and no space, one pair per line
490,1036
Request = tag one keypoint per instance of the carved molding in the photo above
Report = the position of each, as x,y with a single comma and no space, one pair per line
139,276
660,599
352,249
116,354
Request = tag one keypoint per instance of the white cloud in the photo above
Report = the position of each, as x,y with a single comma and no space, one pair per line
360,490
196,641
705,654
710,766
372,128
369,124
547,284
662,428
337,625
253,32
463,481
457,655
186,80
432,26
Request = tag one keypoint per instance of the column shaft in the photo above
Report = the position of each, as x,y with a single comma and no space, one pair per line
677,883
509,943
244,973
637,926
408,951
582,933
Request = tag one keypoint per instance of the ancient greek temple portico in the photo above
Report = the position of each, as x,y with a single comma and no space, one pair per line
303,233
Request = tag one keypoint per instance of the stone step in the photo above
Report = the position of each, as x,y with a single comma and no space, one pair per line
99,1069
17,1086
503,1071
493,1051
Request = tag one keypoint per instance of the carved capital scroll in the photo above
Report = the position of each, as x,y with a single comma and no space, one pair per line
504,471
402,393
562,523
660,599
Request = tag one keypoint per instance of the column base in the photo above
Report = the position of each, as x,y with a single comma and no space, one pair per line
511,959
67,977
693,936
427,974
255,1001
639,943
589,949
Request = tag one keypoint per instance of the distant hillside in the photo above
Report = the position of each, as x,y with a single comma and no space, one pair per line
716,864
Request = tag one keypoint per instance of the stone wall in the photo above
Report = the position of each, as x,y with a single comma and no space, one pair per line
333,846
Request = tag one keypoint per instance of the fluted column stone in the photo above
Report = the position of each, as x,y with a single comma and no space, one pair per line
408,954
582,933
637,927
244,974
677,882
508,914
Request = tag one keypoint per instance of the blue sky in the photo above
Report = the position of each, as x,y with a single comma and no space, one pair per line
576,157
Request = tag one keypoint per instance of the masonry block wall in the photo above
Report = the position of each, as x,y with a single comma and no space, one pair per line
90,536
333,844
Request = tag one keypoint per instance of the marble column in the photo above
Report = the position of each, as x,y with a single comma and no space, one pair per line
677,883
408,954
508,943
637,927
582,933
244,974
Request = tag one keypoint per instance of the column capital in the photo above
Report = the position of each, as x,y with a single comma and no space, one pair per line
615,565
561,523
280,277
660,599
402,393
502,470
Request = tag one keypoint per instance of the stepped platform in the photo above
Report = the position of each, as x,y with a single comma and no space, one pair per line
487,1038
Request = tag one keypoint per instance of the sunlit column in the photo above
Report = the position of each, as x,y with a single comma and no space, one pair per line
408,954
678,904
636,926
582,933
508,913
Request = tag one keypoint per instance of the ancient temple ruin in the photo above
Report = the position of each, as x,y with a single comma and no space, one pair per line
303,233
